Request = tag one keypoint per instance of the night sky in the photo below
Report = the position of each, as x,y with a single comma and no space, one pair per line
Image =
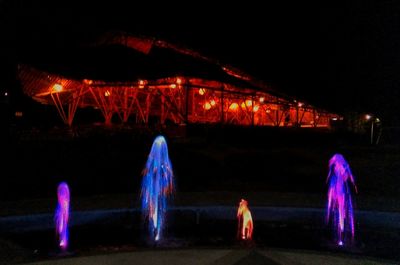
342,57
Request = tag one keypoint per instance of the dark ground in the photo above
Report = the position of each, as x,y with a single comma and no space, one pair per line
105,161
107,232
212,165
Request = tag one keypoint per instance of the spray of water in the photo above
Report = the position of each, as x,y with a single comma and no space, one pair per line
245,221
157,187
62,215
340,206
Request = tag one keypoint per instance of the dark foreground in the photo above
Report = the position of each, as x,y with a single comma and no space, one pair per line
109,231
230,164
106,160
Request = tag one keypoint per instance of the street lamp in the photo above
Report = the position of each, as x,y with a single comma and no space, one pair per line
368,117
373,119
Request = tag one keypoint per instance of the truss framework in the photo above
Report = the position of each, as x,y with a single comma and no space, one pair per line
177,100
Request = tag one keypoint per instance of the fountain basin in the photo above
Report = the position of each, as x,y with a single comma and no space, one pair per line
114,230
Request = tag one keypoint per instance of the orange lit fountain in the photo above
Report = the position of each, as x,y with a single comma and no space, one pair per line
245,221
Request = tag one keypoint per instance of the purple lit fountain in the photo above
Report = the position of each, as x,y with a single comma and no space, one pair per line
157,187
340,207
62,215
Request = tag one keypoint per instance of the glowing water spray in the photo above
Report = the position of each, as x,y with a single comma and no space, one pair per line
245,221
340,206
62,215
157,186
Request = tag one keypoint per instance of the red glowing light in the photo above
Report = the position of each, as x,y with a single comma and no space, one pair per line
207,106
300,104
249,102
262,99
255,108
245,226
234,73
179,81
212,102
141,84
57,88
234,106
202,91
173,86
107,93
267,110
87,81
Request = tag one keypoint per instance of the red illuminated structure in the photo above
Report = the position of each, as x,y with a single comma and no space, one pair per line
219,95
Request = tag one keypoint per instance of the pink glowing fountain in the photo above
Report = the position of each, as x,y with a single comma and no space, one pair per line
340,206
62,215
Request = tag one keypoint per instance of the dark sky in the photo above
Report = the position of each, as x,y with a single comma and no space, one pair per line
341,57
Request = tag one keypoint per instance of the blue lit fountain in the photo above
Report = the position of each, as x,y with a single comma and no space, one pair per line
157,187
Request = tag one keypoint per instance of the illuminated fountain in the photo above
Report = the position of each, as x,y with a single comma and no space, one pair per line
340,206
245,221
157,187
62,215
